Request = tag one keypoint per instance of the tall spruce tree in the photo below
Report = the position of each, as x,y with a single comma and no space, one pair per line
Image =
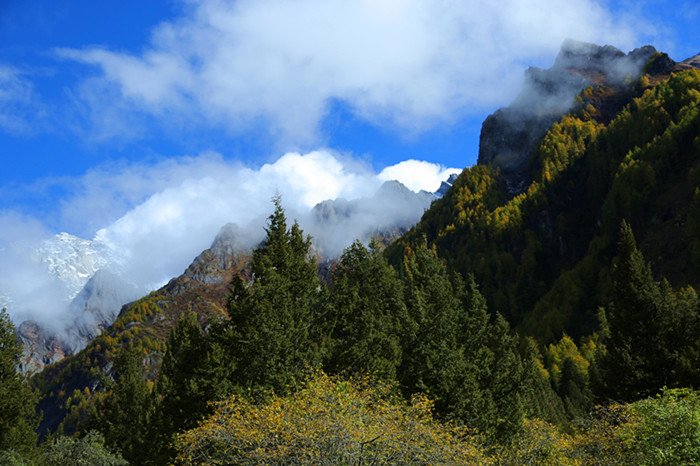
366,312
637,360
125,413
494,401
194,372
652,339
433,356
270,319
17,402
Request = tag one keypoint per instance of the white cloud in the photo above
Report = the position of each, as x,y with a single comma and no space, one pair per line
158,216
161,236
404,64
418,175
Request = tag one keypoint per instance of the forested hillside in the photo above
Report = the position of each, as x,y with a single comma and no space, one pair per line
543,256
498,331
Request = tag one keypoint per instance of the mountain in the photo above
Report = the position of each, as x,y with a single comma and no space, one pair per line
390,212
201,288
509,134
446,185
74,260
538,235
536,221
91,289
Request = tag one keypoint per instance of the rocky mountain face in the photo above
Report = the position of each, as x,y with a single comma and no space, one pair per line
446,185
97,306
41,347
92,310
229,251
509,135
393,209
95,292
691,63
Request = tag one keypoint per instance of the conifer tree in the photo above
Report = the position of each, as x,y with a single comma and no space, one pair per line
365,314
637,360
648,345
493,401
17,403
433,359
270,319
194,372
125,413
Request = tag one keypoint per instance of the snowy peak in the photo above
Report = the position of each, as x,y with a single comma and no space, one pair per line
74,260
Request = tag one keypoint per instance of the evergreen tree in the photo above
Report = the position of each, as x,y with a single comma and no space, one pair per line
637,362
17,402
194,372
433,360
270,319
125,413
365,314
493,401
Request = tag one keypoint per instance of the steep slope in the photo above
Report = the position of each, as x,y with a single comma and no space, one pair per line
202,289
508,135
539,235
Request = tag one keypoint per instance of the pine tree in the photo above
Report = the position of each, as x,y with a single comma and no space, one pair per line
270,319
365,314
637,360
194,373
433,360
17,402
125,413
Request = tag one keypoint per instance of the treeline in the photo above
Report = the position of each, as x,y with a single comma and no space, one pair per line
520,368
421,333
542,254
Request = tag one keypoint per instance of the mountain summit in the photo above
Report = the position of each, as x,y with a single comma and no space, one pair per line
509,134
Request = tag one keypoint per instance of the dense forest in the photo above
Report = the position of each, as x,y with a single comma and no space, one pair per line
555,324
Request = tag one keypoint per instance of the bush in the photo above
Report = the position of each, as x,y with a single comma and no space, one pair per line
328,421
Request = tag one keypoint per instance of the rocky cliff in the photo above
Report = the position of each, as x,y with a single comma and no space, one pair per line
509,135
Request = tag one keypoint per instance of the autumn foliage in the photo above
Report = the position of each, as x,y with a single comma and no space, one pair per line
329,420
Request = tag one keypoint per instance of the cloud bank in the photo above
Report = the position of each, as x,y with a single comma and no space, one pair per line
281,65
165,213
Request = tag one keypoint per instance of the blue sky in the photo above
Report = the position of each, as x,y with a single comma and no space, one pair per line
106,104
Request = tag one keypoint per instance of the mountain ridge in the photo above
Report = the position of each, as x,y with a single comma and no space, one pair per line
535,262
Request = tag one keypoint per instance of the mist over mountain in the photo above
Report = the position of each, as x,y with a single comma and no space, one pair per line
509,134
91,279
543,262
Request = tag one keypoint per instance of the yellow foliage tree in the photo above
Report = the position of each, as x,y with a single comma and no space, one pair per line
328,421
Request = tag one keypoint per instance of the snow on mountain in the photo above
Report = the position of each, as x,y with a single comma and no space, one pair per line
88,289
74,260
